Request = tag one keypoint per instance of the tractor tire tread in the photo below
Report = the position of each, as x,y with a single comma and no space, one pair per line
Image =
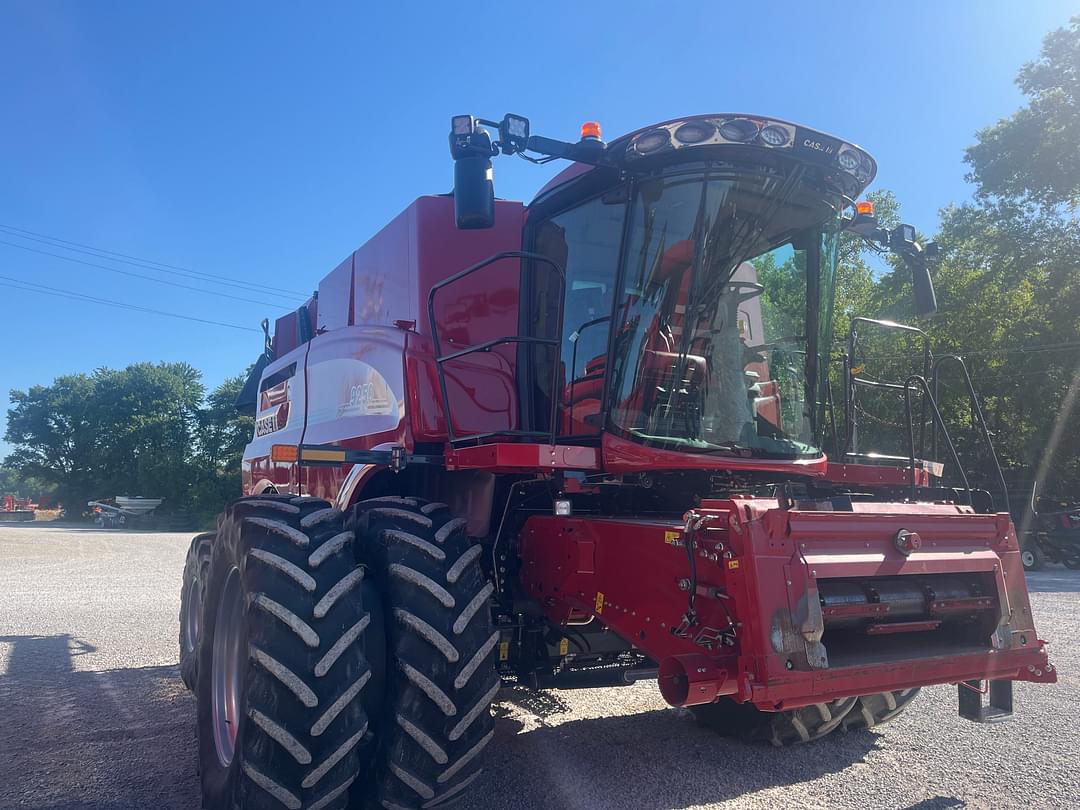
301,738
780,729
440,651
196,567
880,707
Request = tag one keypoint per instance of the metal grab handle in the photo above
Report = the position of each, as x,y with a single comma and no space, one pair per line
909,383
850,418
441,359
976,415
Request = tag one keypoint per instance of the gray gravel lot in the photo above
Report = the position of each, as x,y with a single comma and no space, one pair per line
93,715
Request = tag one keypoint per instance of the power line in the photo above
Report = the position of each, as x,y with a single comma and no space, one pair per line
133,274
149,264
146,265
27,286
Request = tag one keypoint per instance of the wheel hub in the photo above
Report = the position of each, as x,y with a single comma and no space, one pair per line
227,662
193,618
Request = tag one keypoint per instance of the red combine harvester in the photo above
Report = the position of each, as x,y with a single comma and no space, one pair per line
579,443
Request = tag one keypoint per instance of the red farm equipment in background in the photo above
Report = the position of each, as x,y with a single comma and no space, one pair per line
14,509
580,443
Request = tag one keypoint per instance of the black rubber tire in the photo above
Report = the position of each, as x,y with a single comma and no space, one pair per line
440,672
1031,555
791,727
300,725
196,567
881,707
1072,561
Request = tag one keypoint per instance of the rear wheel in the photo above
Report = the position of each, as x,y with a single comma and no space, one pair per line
196,568
784,728
281,669
1031,556
435,719
881,707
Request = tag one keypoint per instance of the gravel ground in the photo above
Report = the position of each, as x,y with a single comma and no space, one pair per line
93,715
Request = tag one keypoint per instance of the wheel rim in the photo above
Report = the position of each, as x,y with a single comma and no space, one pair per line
1028,559
192,618
225,674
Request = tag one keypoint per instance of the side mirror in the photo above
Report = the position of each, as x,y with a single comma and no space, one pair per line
917,257
923,285
474,186
474,193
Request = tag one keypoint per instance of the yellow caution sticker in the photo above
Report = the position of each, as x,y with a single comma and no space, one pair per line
732,564
564,646
599,607
504,650
672,538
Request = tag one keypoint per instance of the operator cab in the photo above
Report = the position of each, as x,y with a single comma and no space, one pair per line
691,295
690,310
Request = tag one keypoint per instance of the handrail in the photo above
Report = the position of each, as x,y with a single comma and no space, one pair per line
573,354
850,417
977,418
488,345
928,397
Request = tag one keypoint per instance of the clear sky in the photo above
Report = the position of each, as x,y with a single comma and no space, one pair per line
264,142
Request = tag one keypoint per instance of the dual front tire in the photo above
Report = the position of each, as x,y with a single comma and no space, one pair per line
337,672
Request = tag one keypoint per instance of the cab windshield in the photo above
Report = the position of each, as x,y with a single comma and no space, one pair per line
725,313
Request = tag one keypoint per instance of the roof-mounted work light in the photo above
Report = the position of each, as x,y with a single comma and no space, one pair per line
902,239
513,133
462,125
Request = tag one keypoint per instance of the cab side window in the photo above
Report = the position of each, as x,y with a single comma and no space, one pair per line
585,242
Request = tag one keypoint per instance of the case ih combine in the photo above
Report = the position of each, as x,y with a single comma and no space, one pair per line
579,443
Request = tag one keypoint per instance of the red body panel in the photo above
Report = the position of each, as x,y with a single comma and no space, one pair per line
508,458
761,566
367,377
624,456
874,476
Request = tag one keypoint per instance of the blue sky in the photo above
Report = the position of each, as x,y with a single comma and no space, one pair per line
264,142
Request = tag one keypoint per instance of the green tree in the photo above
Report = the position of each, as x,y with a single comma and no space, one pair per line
1013,264
54,431
1033,155
223,435
148,429
1008,282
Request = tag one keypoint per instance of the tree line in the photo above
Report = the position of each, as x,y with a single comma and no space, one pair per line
1008,281
149,429
1008,284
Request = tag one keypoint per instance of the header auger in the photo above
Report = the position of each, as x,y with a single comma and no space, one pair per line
580,443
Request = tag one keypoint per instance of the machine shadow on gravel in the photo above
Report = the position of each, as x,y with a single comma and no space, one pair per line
75,740
1054,581
655,760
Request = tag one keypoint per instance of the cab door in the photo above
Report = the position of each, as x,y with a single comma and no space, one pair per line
585,241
